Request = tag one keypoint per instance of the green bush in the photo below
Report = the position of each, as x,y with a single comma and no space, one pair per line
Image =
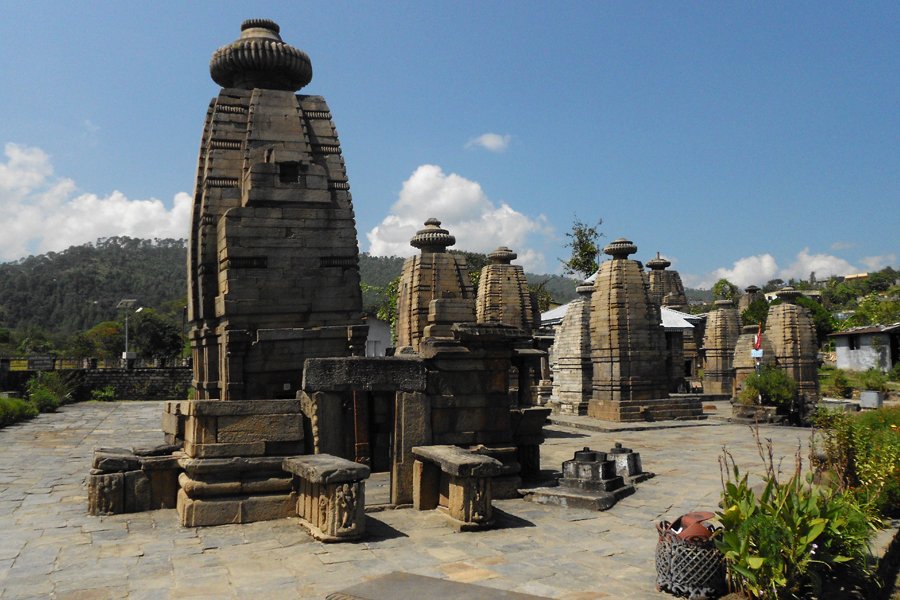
840,385
793,539
772,384
861,452
104,394
894,373
48,389
13,410
873,379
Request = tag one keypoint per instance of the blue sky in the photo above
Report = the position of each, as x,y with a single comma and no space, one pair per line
751,140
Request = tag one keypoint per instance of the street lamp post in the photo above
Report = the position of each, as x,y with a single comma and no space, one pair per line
127,304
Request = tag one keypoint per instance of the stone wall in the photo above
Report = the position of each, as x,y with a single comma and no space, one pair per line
129,384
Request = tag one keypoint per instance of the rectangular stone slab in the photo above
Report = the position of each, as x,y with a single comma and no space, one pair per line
224,408
325,468
459,462
406,586
375,374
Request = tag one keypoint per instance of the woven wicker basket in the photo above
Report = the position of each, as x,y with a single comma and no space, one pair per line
691,568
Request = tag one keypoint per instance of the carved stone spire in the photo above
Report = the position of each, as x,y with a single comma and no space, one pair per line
432,238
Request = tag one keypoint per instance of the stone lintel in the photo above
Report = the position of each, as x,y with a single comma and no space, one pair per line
459,462
325,468
232,465
226,408
376,374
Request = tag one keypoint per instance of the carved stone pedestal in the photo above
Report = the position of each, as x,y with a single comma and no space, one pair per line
456,482
331,496
126,481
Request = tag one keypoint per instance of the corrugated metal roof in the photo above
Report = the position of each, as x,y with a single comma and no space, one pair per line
671,319
867,329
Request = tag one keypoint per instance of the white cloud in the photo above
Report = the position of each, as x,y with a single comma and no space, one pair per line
876,263
490,141
463,208
46,213
745,271
824,265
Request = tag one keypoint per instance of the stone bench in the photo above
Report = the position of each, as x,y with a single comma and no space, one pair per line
331,495
457,482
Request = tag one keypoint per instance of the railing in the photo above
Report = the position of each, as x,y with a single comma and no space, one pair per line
52,363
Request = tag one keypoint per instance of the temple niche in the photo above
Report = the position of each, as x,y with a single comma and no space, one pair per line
722,330
272,259
791,329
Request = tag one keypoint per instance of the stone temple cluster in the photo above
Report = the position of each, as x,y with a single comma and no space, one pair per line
290,418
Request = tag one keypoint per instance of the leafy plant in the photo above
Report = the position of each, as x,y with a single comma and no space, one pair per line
584,242
13,410
840,385
773,386
874,380
48,390
104,394
792,538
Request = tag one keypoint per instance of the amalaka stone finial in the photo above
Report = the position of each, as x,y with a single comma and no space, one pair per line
620,248
751,289
659,263
432,238
502,256
723,304
788,295
259,59
585,289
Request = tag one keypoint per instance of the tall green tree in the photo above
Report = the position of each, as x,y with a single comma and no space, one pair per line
584,242
154,336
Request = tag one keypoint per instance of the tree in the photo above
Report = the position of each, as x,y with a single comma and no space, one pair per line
541,296
724,290
154,336
773,284
107,338
757,312
877,309
584,241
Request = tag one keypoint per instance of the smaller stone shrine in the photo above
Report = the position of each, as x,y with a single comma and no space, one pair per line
434,274
744,362
751,295
666,288
722,331
572,375
590,481
791,329
628,464
503,293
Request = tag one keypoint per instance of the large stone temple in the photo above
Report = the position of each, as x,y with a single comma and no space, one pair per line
273,260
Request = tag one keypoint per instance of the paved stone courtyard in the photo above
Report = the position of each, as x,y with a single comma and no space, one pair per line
50,547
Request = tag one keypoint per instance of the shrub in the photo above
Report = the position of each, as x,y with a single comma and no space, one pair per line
840,385
13,410
773,385
104,394
48,389
862,454
873,379
793,539
894,373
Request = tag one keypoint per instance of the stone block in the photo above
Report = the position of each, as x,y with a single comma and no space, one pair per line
426,482
325,468
138,494
252,428
112,461
106,494
458,462
224,450
382,374
268,507
207,512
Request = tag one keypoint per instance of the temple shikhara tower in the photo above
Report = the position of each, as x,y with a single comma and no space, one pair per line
272,260
503,294
666,288
791,330
723,327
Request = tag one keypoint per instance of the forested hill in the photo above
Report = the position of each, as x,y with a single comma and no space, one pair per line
73,290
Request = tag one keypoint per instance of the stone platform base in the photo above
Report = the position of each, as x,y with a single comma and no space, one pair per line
680,407
206,512
400,586
572,498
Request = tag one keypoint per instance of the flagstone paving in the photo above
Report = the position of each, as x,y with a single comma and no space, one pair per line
50,547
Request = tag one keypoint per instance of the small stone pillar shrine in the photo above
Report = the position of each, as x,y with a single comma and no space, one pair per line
273,274
792,332
723,326
435,274
744,361
628,346
572,377
666,288
503,294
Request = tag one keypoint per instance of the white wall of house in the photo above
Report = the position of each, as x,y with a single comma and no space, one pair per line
864,351
379,337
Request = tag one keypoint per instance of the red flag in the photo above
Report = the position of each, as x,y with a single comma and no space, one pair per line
757,342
